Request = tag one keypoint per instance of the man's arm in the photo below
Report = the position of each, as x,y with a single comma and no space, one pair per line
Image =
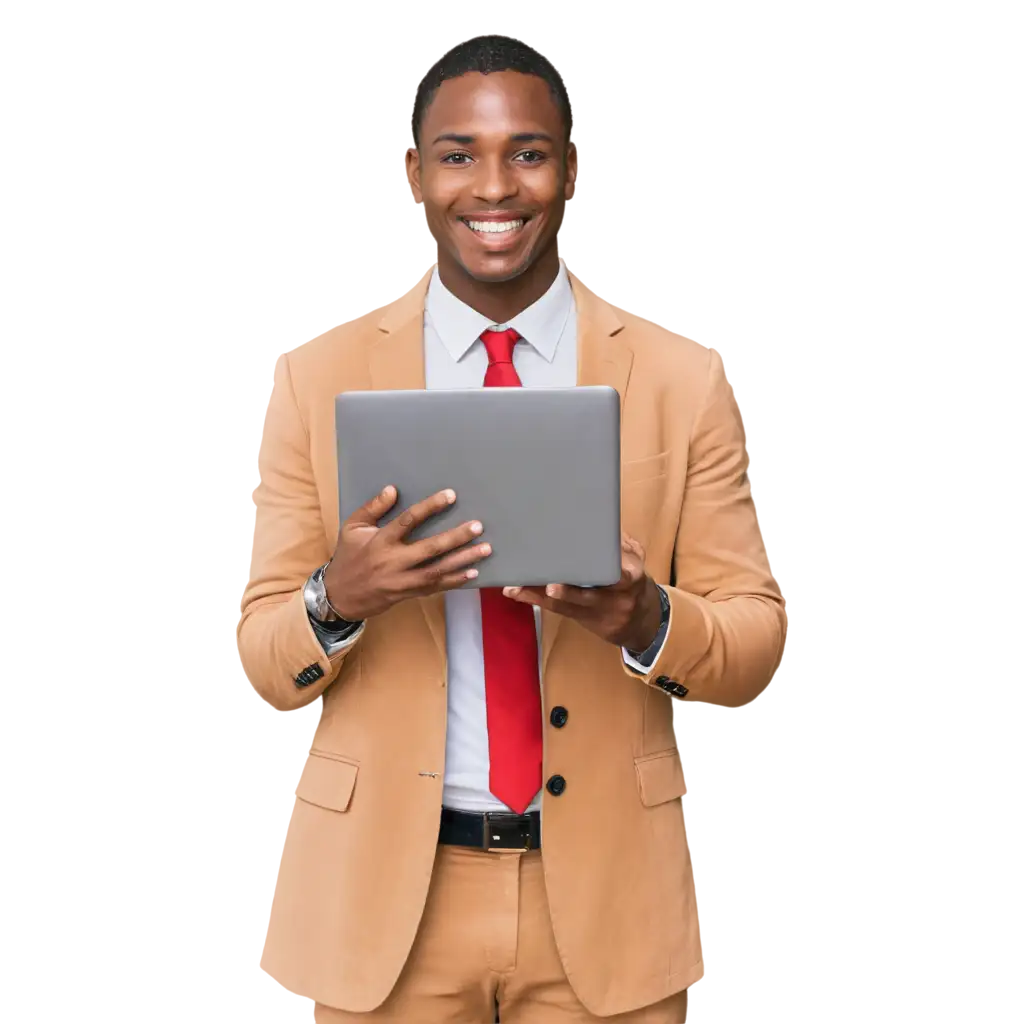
280,651
728,618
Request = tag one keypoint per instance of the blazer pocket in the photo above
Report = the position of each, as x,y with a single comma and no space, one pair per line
659,777
648,468
327,781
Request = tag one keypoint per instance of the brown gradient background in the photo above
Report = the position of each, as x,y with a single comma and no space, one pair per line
182,193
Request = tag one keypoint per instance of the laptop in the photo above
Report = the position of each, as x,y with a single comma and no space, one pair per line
539,467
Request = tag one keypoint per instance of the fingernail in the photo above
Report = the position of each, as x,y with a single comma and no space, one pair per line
511,591
484,549
386,493
551,590
450,495
471,574
477,528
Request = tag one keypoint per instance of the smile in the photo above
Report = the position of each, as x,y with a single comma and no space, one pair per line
493,227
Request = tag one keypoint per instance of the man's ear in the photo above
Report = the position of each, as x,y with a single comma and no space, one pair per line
412,170
570,170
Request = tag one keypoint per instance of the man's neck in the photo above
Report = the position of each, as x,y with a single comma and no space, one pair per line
502,300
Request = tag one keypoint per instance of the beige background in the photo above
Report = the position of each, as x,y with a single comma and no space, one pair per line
183,193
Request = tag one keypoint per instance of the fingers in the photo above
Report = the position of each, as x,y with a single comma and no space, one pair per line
632,544
452,563
634,560
402,525
445,569
632,571
529,595
590,597
436,579
434,547
538,596
583,597
375,509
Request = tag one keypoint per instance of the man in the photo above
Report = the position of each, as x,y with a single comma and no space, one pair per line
490,817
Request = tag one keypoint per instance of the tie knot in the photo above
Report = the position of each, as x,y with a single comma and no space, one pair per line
499,345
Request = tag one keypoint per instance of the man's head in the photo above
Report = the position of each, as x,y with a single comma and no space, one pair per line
493,164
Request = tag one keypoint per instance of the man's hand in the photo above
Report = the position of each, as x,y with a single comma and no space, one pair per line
626,613
375,567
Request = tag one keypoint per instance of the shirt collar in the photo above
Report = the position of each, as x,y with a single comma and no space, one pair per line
541,325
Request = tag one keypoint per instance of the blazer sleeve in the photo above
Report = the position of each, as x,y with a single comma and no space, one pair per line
279,650
728,619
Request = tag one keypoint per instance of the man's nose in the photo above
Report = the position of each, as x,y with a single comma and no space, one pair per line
494,180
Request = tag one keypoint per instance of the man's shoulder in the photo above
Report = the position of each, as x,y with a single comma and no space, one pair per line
663,350
342,350
645,333
350,337
647,339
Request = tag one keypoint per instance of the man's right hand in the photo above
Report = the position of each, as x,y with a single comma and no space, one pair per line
375,567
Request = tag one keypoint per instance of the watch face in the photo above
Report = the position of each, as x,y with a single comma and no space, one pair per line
315,596
321,607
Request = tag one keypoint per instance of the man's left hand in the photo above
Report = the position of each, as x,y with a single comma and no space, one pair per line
627,613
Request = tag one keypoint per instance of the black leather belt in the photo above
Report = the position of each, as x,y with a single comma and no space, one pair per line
490,831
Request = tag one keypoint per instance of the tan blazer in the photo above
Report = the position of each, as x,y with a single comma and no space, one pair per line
360,847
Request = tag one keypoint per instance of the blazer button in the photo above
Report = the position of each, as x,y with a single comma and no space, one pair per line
559,716
556,785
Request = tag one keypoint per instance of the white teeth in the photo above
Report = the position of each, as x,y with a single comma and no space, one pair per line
494,227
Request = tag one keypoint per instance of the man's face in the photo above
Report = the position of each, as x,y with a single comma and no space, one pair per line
493,172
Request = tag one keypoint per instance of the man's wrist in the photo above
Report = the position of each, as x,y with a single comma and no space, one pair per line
649,619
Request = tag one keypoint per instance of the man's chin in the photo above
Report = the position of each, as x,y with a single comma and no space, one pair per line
494,268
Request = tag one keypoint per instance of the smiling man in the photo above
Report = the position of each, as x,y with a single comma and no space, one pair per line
490,818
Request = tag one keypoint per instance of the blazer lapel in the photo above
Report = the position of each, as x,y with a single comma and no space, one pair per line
602,357
397,364
396,354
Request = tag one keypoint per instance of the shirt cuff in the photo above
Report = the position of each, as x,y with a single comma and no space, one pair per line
645,661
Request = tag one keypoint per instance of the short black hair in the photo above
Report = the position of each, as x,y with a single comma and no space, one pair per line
486,54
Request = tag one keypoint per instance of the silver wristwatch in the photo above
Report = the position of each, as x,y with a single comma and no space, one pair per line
314,593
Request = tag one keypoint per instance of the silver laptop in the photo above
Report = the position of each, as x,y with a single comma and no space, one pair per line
539,467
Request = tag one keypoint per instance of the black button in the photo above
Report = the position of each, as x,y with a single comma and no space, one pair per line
310,674
672,686
556,785
559,716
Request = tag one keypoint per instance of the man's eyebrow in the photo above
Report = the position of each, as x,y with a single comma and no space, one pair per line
531,137
468,140
462,140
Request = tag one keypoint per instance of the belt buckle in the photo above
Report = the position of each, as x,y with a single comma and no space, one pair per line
493,832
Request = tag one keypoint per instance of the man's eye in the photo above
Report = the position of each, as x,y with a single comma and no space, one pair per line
455,158
530,156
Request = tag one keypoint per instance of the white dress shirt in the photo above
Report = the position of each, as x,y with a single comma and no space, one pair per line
455,357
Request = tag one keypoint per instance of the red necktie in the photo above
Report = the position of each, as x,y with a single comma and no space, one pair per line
511,675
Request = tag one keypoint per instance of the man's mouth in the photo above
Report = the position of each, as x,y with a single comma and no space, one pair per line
496,229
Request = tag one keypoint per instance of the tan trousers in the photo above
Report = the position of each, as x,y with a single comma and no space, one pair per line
485,943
